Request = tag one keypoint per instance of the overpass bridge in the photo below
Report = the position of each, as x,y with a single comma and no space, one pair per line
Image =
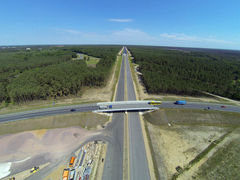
119,106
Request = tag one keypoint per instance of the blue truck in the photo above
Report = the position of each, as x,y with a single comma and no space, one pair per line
181,102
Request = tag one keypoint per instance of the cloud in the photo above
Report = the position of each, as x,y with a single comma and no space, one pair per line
137,36
70,31
184,37
124,36
120,20
133,36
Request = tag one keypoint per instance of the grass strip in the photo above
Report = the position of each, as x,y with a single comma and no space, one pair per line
201,155
50,105
86,120
117,74
134,75
157,175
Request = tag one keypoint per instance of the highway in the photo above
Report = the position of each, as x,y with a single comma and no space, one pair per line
47,112
94,107
137,153
201,105
114,131
125,106
113,167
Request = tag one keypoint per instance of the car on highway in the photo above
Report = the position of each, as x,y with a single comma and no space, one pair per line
34,170
72,110
180,102
223,106
103,107
155,103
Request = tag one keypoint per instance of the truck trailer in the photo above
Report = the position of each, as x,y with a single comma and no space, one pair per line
71,161
65,174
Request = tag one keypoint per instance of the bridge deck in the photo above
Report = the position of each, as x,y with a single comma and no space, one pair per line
124,106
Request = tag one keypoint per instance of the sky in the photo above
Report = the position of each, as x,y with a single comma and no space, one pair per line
183,23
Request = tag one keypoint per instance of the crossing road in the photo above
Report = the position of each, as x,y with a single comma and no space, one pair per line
94,107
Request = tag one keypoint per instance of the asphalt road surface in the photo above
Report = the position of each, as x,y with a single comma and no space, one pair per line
93,107
196,105
114,132
113,167
137,153
47,112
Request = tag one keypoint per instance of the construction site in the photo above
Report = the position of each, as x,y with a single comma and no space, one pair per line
84,163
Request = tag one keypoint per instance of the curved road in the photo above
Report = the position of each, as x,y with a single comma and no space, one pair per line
47,112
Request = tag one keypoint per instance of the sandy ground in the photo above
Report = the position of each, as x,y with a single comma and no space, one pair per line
25,174
103,93
193,171
99,164
57,173
39,147
224,98
178,145
148,150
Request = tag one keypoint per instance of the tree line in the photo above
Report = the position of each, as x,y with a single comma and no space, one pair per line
51,72
189,71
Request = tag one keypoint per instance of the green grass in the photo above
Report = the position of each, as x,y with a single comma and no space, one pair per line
208,149
213,100
92,62
194,117
117,74
224,164
155,166
45,104
201,155
133,74
200,118
86,120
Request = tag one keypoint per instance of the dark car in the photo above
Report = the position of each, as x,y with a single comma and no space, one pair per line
223,106
207,108
73,110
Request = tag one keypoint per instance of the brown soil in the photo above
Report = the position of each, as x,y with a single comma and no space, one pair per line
178,145
56,142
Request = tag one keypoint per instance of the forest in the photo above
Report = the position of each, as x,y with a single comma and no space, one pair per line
186,71
50,72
